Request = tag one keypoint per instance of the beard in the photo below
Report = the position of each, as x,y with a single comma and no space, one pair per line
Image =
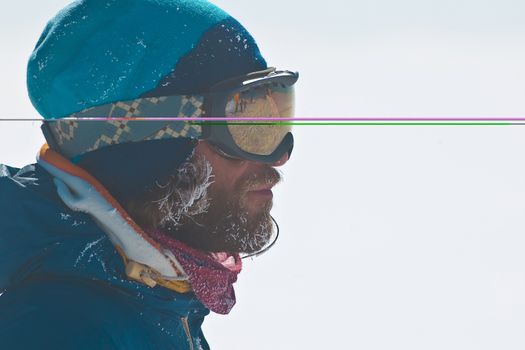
210,218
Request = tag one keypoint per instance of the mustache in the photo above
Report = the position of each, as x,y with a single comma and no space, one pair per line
268,177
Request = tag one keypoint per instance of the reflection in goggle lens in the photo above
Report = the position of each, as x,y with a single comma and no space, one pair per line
265,101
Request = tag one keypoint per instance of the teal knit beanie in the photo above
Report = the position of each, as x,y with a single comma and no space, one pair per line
100,52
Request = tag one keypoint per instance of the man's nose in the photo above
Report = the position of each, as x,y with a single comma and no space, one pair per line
284,158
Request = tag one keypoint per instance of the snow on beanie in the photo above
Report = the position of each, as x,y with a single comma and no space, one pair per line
98,52
95,52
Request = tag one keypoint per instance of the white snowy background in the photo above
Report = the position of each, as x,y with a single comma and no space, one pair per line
392,237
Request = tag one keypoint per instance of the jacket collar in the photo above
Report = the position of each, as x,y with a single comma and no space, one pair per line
145,259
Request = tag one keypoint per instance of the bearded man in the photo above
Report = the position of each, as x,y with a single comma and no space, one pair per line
130,227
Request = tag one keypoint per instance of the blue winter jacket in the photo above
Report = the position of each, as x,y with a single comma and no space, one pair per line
63,284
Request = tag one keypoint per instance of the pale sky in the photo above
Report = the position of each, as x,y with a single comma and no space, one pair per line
392,237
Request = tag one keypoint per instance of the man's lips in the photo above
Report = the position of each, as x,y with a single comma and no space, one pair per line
262,191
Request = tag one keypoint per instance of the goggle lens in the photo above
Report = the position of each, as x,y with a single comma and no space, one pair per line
271,100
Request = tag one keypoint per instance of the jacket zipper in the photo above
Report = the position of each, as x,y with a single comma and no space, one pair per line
186,327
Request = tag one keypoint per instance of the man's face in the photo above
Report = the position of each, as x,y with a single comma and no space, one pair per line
239,202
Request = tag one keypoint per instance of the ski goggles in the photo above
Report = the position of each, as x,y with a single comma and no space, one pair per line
263,94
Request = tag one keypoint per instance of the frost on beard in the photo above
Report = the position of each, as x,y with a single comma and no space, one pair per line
186,192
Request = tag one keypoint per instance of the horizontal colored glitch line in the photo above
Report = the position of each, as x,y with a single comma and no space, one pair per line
275,119
305,121
363,123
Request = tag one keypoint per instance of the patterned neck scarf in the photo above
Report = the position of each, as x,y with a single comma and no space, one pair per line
211,275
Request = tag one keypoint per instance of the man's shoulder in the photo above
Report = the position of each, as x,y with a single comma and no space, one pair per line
55,291
69,313
33,218
77,313
31,210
